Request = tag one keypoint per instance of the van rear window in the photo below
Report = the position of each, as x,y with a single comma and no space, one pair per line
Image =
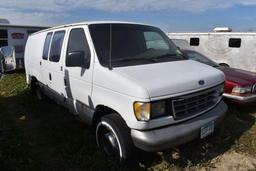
56,46
47,45
235,42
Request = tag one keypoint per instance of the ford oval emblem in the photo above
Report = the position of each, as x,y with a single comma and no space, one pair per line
201,82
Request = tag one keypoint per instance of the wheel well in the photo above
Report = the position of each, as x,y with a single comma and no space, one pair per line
33,80
100,111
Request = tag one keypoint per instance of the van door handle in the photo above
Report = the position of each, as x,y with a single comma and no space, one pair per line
50,76
40,63
65,81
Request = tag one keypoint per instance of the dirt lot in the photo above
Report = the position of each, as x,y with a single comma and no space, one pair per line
40,135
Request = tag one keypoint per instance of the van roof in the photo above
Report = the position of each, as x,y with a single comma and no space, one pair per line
89,23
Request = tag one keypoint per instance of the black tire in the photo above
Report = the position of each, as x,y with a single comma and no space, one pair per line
39,93
36,90
114,138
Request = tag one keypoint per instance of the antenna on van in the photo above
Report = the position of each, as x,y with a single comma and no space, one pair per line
110,47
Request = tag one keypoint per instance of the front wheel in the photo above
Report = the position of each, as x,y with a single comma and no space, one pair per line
113,137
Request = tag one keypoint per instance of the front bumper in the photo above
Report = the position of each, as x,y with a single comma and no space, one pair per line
174,135
241,99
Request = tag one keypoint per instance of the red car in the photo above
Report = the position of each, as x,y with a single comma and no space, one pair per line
240,84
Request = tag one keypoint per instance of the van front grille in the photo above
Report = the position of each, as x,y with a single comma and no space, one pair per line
197,103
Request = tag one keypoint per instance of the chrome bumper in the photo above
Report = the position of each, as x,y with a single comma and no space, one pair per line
241,99
174,135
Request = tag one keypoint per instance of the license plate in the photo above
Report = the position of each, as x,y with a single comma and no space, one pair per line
207,129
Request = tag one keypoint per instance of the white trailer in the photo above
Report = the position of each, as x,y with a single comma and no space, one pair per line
15,36
235,49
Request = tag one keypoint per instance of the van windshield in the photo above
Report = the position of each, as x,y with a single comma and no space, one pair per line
130,44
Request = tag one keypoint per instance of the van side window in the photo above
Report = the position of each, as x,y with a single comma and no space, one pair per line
194,41
3,38
235,42
47,45
56,46
78,43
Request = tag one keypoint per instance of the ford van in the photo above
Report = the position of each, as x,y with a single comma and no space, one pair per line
127,80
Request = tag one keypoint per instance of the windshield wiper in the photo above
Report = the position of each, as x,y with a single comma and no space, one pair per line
167,55
170,55
132,59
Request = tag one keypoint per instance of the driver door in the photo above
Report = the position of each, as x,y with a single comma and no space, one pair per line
78,80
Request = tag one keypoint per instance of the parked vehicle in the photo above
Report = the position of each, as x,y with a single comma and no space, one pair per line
8,62
16,37
240,85
129,81
1,65
227,48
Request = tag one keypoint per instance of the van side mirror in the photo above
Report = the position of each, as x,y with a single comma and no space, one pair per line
78,59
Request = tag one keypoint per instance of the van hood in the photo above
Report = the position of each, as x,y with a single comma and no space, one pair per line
171,78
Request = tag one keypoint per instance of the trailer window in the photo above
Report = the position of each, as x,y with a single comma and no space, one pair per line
47,45
3,38
78,42
194,41
235,43
56,46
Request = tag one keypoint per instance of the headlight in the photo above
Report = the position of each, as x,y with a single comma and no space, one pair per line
241,90
146,111
158,109
142,111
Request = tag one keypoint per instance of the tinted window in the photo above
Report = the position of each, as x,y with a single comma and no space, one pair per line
130,44
235,43
7,51
3,34
47,45
194,41
56,46
78,43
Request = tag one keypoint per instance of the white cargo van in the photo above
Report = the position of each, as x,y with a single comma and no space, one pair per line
129,81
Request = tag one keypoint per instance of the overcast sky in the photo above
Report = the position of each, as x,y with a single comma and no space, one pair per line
170,15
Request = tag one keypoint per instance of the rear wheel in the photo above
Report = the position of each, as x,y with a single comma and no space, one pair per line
36,90
113,137
39,93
